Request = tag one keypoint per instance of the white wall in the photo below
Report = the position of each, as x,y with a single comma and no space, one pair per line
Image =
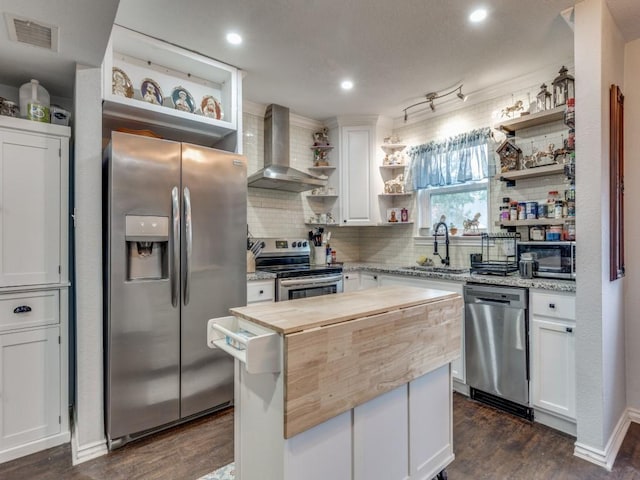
88,434
632,226
599,308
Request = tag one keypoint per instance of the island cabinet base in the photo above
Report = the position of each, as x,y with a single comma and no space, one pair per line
352,386
404,434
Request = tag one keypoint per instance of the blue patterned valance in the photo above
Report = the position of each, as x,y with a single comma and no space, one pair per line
460,159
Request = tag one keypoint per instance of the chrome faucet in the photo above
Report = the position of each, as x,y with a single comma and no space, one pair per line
445,260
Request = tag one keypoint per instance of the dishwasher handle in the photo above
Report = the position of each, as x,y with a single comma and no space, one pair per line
492,301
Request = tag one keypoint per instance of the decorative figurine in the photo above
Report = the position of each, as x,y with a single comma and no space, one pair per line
510,155
321,148
543,99
509,111
471,226
563,87
395,185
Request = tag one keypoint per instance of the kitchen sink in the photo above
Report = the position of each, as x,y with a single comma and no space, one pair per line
452,270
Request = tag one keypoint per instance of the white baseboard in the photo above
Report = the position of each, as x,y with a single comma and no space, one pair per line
82,453
33,447
605,458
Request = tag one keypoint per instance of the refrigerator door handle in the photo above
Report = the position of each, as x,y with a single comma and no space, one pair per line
175,233
188,230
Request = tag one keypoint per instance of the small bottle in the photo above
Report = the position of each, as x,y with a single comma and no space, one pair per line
557,211
333,256
328,253
551,204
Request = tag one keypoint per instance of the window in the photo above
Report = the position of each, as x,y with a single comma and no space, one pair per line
451,179
458,203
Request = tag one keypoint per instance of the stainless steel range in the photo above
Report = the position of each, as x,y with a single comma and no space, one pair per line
290,260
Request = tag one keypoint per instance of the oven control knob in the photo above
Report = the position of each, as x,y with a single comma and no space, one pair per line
304,244
294,244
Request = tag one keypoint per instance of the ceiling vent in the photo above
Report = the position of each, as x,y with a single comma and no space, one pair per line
32,32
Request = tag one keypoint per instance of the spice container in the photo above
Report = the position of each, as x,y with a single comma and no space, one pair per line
513,210
551,203
557,211
570,230
532,210
522,211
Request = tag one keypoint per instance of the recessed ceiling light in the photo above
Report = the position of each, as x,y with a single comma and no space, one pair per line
478,15
347,85
234,39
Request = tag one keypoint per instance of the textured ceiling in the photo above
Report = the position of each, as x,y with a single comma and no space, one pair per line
296,52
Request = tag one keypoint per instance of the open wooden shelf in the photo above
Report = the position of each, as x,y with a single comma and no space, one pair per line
532,120
533,222
531,172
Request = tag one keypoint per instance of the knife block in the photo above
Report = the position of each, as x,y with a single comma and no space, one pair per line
251,262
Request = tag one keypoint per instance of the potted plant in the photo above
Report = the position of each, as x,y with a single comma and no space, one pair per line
453,230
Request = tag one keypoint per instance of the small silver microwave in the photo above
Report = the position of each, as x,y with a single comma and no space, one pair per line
552,259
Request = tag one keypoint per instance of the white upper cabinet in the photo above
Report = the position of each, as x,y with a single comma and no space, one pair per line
31,172
359,181
182,82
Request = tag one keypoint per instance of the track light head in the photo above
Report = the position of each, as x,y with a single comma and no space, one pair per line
430,97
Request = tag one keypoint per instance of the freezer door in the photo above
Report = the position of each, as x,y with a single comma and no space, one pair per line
214,191
142,326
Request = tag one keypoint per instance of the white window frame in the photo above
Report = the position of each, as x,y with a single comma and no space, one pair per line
423,203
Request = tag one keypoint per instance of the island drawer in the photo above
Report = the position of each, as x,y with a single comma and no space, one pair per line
258,348
261,291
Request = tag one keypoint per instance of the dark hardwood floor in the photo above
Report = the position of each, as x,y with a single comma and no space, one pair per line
488,445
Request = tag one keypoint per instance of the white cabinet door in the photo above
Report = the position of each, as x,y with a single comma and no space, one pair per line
381,435
356,163
29,386
368,280
351,281
553,366
29,209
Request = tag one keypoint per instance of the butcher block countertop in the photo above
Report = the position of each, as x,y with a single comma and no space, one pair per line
307,313
342,350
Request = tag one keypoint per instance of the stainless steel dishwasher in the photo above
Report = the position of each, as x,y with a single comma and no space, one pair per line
497,347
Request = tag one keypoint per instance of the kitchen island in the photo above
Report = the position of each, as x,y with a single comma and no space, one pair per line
347,386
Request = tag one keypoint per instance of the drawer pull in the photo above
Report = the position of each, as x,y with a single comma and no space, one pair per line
375,277
22,309
569,330
261,292
552,306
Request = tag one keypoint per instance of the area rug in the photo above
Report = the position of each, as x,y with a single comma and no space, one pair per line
228,472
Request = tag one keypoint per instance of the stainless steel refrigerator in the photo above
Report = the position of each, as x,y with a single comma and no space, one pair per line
175,256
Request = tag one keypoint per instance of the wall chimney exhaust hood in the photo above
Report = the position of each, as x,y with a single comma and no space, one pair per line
277,174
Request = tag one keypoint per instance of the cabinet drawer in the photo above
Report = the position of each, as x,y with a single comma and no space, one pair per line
21,310
260,291
258,348
553,305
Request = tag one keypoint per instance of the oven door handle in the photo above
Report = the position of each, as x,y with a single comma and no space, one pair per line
318,281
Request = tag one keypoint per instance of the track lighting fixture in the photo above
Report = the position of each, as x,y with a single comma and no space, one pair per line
430,97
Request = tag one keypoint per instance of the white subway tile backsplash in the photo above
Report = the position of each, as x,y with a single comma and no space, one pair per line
272,213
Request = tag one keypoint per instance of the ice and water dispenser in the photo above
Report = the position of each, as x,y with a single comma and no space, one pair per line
147,240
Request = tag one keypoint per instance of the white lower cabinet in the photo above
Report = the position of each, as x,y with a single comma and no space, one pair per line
553,364
457,366
351,281
260,291
30,386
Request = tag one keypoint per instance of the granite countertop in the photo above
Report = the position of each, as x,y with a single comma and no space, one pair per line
260,276
513,280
